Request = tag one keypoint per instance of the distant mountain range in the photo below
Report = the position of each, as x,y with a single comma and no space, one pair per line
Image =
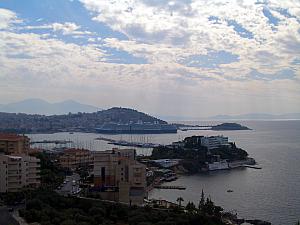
250,116
256,116
42,107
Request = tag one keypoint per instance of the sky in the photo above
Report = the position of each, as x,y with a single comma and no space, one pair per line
178,58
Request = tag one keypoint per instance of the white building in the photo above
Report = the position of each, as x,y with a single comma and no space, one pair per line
214,141
17,172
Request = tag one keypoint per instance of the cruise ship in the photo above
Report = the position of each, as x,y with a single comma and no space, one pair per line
137,128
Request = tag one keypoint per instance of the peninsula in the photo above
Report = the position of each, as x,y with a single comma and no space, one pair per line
200,153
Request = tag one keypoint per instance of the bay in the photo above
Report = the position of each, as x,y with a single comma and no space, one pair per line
271,194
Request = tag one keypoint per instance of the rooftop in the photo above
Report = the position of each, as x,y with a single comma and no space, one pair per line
11,137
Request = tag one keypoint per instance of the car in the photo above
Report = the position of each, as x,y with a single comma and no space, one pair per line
10,209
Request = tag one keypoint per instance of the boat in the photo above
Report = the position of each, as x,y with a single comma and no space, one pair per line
229,190
137,128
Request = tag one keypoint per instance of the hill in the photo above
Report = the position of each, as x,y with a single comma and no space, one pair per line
39,106
86,122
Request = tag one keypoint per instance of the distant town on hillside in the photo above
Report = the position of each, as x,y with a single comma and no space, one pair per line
25,123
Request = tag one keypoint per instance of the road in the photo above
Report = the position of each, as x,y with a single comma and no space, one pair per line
6,217
70,185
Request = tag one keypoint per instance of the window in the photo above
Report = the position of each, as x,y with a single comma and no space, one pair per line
103,174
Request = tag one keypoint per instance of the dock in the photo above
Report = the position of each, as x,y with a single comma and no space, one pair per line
51,142
170,187
253,167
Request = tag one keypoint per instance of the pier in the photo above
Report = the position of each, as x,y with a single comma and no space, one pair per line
51,142
170,187
253,167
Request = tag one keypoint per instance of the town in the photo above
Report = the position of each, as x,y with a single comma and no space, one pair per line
113,176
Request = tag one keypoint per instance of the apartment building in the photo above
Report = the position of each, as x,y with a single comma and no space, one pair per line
17,172
14,144
119,177
74,158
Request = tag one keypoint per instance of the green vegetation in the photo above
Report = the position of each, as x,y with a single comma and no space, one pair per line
51,174
48,208
180,200
229,126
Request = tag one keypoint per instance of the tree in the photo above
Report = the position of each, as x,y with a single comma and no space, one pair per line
202,201
179,200
298,223
190,207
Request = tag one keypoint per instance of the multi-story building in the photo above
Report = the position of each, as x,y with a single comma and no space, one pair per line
214,141
74,158
119,177
17,172
13,144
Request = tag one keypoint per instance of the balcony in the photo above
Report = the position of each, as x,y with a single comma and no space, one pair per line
14,168
13,174
13,179
34,165
33,176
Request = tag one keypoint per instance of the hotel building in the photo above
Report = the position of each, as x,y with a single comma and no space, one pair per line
214,141
119,177
74,158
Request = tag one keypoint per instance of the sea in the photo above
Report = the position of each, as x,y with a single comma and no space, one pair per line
271,193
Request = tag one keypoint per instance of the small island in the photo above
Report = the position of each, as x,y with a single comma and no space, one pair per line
230,126
222,126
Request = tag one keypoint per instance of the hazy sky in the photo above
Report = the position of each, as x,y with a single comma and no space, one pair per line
180,57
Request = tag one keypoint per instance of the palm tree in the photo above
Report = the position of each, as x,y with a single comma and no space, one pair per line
179,200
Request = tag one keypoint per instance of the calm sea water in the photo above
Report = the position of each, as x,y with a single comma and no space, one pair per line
271,194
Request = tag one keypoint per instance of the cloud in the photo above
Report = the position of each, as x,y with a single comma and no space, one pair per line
165,30
172,54
7,18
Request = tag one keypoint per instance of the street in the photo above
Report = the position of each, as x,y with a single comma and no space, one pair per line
70,186
6,217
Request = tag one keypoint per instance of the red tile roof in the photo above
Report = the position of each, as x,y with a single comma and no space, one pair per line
11,137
